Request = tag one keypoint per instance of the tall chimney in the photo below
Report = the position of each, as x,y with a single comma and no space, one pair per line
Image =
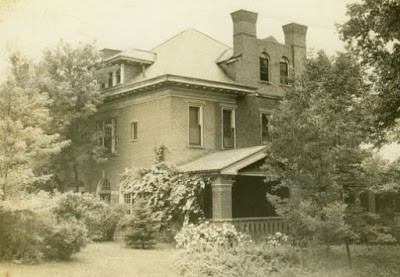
244,27
295,34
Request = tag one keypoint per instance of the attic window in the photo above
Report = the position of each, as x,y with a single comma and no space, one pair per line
264,67
118,76
110,79
284,71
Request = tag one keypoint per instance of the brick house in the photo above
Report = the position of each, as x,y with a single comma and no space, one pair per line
206,104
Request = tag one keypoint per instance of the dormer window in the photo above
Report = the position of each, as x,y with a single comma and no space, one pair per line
110,79
284,71
118,76
264,67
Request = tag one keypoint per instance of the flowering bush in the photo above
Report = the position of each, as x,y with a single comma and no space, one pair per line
278,239
206,235
210,250
173,196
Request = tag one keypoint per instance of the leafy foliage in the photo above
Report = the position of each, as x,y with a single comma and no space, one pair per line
315,151
209,250
172,196
30,231
100,219
372,33
24,142
69,75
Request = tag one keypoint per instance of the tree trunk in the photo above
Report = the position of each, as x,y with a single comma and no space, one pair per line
349,260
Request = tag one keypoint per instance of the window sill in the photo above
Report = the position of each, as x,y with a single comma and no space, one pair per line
134,140
196,146
265,82
285,85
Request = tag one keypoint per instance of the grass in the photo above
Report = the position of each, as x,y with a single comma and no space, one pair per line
114,259
374,261
102,259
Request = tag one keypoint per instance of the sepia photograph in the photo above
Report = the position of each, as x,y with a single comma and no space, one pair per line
221,138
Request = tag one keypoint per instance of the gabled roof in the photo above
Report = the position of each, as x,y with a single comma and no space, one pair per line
226,161
132,55
189,54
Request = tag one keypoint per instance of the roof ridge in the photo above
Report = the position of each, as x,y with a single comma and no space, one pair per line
186,30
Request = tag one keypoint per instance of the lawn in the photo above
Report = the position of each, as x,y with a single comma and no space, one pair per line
103,259
114,259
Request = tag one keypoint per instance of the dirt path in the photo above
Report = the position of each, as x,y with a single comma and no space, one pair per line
102,259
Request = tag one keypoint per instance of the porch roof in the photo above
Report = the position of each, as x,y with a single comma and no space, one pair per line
227,162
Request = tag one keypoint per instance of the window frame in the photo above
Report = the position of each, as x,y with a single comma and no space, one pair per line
104,194
264,56
134,134
114,134
285,61
268,116
128,206
201,123
232,126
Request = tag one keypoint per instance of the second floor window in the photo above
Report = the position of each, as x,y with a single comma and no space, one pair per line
264,67
284,71
228,128
195,125
108,134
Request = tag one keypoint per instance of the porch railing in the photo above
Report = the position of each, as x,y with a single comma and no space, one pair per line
258,225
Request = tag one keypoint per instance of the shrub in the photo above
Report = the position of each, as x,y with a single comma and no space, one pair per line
206,235
209,250
30,231
64,239
139,228
100,218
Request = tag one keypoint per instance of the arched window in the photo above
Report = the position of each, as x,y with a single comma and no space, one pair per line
284,71
264,67
104,190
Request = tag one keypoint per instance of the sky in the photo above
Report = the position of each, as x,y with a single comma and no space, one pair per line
34,25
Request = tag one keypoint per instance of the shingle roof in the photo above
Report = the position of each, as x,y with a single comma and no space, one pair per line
189,54
221,160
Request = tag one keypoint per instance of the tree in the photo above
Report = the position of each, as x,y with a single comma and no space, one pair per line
315,152
70,77
24,117
140,227
373,34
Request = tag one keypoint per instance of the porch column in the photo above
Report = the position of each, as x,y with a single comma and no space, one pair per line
221,188
371,202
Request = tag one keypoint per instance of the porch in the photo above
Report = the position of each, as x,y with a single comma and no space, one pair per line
237,193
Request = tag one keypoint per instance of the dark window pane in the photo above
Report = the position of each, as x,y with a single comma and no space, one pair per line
108,135
227,129
118,76
110,79
194,126
134,131
284,73
264,127
264,68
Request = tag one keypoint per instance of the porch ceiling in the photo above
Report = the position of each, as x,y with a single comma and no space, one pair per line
227,162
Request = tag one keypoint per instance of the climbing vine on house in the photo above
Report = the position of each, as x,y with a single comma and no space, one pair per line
173,196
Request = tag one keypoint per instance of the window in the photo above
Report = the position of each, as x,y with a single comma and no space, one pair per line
110,79
128,199
284,71
264,67
195,126
264,127
104,190
228,128
108,134
118,76
134,131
